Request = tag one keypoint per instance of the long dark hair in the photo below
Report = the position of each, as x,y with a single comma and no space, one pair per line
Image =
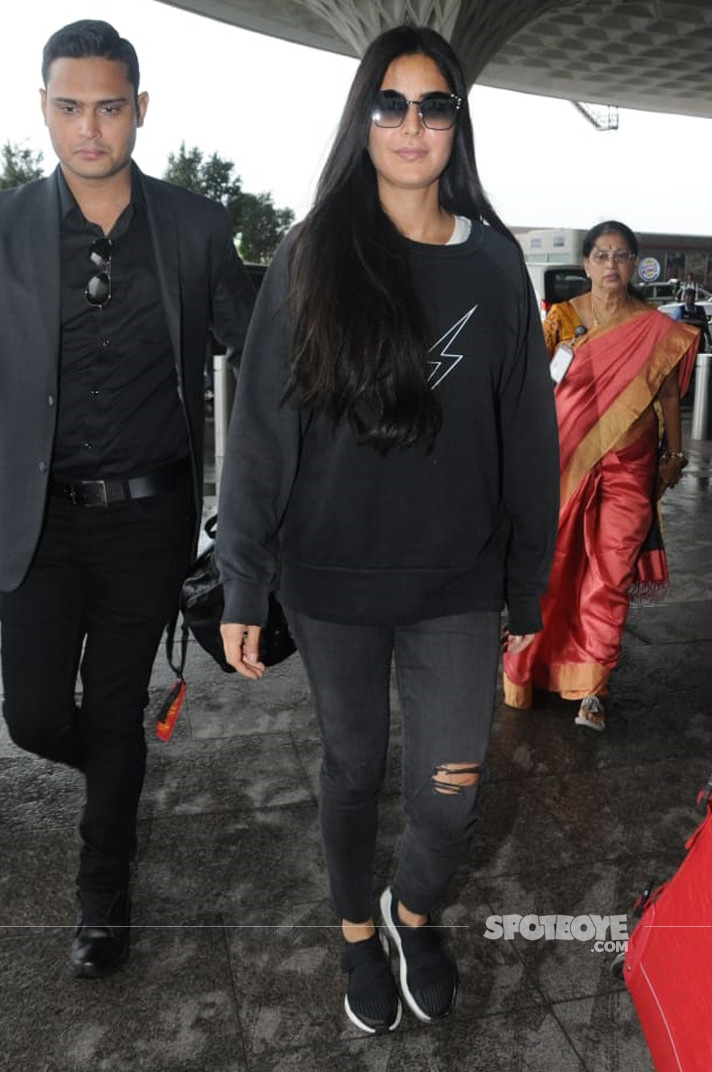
360,336
613,227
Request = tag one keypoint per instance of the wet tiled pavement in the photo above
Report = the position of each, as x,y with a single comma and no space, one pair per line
235,955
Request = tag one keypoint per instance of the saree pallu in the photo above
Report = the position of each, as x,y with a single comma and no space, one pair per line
609,435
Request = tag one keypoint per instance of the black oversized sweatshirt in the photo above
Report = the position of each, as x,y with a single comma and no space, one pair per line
351,535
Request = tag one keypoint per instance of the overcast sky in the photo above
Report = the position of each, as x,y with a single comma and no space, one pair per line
272,108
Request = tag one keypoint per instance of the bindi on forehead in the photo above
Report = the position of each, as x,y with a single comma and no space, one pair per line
613,240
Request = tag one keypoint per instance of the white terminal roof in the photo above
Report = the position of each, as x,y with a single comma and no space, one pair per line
650,54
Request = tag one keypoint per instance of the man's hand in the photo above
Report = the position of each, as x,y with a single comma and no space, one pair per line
241,644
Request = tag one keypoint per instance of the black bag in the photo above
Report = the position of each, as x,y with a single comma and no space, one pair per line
201,605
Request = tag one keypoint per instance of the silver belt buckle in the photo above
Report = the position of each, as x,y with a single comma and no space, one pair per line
97,495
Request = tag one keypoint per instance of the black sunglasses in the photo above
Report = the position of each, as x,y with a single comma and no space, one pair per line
438,111
98,289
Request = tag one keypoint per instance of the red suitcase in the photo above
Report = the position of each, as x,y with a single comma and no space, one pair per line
667,967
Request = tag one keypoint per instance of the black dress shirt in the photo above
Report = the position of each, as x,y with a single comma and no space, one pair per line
118,408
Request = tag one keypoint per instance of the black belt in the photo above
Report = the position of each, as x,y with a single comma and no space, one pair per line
119,489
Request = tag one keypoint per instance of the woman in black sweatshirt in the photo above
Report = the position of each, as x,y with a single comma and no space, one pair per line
392,470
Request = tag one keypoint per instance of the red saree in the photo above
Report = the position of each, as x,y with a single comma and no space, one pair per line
606,543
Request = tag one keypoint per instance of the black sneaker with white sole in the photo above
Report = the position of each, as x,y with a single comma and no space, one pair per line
371,1001
428,977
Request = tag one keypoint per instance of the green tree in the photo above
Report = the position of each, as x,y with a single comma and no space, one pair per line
262,226
19,165
257,224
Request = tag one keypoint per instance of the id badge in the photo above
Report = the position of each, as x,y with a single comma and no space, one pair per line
563,355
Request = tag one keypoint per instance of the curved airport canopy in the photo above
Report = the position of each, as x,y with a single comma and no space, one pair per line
650,54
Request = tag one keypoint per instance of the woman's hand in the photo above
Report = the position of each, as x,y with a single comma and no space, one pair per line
671,463
514,643
669,472
241,644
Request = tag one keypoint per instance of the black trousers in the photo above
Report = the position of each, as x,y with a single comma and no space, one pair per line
102,585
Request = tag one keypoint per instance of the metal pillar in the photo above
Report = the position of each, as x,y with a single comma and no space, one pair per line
700,409
224,391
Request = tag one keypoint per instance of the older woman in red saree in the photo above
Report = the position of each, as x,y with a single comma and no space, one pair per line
625,367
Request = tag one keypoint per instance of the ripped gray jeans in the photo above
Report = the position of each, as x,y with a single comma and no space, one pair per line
446,673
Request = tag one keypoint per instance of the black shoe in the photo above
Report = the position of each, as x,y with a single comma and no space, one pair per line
101,939
428,977
371,1001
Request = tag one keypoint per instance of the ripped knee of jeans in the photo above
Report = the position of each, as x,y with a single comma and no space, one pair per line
451,779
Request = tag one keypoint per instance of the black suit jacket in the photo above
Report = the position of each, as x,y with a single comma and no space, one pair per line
203,286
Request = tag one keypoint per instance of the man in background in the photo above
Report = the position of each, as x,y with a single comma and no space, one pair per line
695,314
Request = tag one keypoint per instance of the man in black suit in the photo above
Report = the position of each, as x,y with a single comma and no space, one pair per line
111,283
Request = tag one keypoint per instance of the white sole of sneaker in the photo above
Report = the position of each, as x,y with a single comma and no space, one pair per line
366,1027
386,903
